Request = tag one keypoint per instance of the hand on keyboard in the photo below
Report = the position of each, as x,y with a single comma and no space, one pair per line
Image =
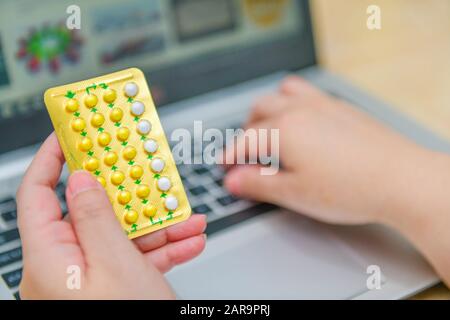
91,241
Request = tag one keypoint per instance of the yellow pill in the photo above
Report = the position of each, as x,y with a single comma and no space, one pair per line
129,153
72,105
110,158
136,172
109,95
90,101
131,216
102,181
116,115
97,120
85,144
123,134
104,139
143,191
78,124
91,164
149,211
124,197
117,178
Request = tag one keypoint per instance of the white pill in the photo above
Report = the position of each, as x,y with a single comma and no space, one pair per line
164,184
171,203
137,108
131,89
144,127
158,165
150,146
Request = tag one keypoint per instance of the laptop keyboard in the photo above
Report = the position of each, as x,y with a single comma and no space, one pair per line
203,185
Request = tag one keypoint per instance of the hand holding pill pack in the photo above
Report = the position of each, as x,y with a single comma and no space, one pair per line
109,127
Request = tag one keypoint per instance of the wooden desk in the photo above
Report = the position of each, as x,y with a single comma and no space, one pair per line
406,63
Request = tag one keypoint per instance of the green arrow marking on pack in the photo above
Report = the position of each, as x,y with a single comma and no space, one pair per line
138,182
90,153
103,85
107,148
150,157
113,168
169,216
134,227
93,86
100,129
70,94
97,173
124,143
145,201
130,99
163,195
127,207
84,133
157,176
94,110
136,119
77,114
117,124
121,188
155,222
131,163
110,105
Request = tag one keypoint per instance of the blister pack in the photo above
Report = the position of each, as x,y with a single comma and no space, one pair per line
109,126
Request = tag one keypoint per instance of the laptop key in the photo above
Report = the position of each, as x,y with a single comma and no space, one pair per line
219,182
10,256
226,200
198,190
7,201
201,208
10,215
13,278
8,236
201,170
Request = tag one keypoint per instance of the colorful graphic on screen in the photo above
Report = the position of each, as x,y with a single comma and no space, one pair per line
265,13
50,46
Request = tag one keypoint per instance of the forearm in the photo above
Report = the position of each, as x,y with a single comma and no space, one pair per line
420,206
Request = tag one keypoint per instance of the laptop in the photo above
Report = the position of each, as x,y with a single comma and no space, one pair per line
205,60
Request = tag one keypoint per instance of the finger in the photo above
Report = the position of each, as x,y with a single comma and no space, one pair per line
248,182
296,86
99,233
37,203
166,257
267,107
194,226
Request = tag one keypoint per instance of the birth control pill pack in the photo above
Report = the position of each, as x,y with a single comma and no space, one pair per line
109,126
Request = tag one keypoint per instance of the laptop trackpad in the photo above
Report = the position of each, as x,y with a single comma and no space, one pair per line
275,256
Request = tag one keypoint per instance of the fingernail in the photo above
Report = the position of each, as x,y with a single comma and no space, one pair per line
81,181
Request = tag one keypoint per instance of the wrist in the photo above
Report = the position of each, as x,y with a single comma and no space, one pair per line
418,185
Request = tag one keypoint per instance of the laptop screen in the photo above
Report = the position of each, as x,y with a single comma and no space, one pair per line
185,47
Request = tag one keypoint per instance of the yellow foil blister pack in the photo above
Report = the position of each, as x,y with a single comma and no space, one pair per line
109,126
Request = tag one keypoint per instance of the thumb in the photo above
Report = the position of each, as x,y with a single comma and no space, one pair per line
97,229
248,182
